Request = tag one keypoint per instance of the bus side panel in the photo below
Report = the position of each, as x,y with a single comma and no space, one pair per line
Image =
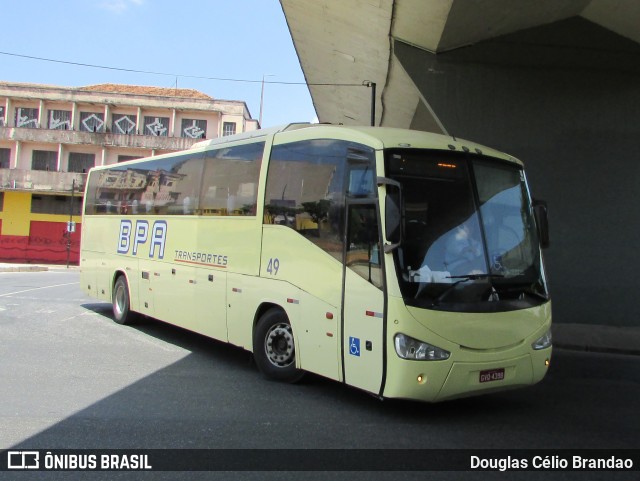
229,250
146,277
314,322
244,294
210,296
88,262
313,281
91,256
288,256
190,297
316,327
100,243
173,294
97,247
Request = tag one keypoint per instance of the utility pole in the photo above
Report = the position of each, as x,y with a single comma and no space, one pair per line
262,97
369,83
70,225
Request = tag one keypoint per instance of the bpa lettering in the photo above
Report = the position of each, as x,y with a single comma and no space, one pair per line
141,236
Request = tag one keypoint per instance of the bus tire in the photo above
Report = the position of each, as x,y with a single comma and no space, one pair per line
274,347
121,302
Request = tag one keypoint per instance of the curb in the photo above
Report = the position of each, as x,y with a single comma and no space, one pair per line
597,338
22,268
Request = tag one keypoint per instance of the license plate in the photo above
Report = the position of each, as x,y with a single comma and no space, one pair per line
492,375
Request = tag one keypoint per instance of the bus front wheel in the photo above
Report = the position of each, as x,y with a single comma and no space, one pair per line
121,303
274,347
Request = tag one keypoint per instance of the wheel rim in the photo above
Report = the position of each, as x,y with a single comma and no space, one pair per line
120,300
279,345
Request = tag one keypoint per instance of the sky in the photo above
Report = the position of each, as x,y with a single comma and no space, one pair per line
179,40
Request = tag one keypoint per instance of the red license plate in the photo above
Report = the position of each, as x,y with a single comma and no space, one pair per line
492,375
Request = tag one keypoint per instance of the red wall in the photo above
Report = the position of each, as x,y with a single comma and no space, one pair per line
46,243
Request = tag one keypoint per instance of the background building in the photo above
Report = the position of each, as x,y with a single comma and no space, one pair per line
51,136
555,83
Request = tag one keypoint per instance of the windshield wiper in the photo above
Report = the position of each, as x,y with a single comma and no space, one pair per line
465,278
473,277
528,291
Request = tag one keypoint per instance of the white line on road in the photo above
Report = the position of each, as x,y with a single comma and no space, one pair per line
38,288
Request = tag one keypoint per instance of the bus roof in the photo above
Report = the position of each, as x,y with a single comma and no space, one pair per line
254,134
377,137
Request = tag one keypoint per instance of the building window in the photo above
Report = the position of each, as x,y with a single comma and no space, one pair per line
44,160
91,122
2,120
156,126
81,162
194,129
60,119
127,158
56,204
124,124
228,128
27,118
5,158
1,201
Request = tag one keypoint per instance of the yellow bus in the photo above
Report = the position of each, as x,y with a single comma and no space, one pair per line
403,263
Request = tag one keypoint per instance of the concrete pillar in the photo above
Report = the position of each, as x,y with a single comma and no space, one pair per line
140,122
107,117
75,117
13,160
6,110
172,123
60,167
42,120
9,116
16,160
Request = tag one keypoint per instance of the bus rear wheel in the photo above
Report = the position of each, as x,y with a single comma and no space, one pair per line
121,302
274,347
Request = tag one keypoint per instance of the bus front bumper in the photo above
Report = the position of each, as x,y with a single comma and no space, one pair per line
439,381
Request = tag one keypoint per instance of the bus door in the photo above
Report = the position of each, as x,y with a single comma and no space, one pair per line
363,299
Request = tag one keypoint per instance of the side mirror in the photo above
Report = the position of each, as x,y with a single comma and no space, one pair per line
392,213
542,222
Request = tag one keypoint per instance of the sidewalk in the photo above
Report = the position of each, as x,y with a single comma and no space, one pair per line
34,267
581,337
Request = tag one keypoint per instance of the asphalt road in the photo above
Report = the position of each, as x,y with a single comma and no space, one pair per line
74,379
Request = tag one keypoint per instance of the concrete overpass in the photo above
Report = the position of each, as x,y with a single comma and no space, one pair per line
553,82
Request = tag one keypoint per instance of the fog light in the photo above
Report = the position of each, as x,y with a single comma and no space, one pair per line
546,362
420,379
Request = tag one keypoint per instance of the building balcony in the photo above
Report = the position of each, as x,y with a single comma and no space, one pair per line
41,181
100,139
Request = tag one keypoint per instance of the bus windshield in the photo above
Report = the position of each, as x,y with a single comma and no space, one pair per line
470,242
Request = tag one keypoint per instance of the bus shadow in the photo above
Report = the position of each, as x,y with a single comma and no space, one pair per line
197,344
211,350
214,397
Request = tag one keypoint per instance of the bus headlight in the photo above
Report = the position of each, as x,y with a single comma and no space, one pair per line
544,342
410,348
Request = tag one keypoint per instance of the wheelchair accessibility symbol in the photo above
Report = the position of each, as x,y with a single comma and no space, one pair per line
354,346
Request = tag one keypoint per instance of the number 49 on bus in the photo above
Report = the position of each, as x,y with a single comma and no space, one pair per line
273,266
